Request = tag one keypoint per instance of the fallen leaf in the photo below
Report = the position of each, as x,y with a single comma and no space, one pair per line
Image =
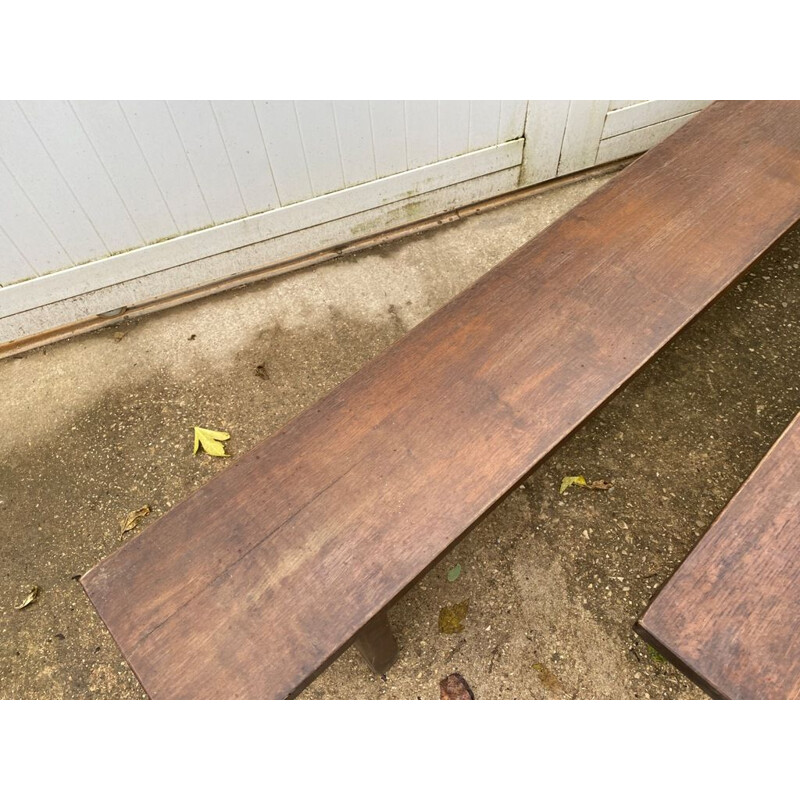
451,617
261,372
578,480
548,678
454,687
211,441
31,598
119,335
453,574
130,522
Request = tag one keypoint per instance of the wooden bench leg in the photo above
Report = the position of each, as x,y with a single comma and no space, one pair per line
377,644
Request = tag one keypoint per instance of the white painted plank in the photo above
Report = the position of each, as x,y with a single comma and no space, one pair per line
240,233
328,235
544,132
13,266
202,142
26,228
582,135
355,141
483,119
641,115
279,128
422,135
388,136
628,144
158,139
241,133
321,145
27,160
453,128
66,143
116,146
613,105
512,120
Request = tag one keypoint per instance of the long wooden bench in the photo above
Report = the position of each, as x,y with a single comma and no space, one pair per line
730,616
260,578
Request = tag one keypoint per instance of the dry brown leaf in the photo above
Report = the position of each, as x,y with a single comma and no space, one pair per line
601,485
454,687
31,598
132,520
548,678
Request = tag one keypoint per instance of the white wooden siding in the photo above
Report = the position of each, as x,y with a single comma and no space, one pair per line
270,226
109,204
565,136
640,115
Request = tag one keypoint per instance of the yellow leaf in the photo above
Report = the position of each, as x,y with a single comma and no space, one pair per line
130,522
577,480
210,441
451,617
31,598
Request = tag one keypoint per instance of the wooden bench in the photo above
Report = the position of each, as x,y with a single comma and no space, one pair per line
730,616
260,578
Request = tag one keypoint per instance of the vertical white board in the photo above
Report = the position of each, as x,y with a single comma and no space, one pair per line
511,123
453,116
320,142
115,144
544,134
354,130
484,116
281,133
30,234
422,134
205,150
584,128
76,160
158,139
238,125
13,264
389,136
27,159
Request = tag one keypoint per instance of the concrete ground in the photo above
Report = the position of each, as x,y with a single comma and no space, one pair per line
95,427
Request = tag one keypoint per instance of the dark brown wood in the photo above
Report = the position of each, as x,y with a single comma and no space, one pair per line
256,580
730,616
377,644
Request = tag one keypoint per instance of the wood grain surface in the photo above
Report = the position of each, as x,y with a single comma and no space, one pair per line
730,616
254,582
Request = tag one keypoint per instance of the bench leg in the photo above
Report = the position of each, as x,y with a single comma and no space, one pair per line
377,644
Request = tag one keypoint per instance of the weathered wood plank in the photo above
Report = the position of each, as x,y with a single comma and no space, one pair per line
258,578
729,616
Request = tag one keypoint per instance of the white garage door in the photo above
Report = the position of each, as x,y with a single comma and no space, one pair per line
112,204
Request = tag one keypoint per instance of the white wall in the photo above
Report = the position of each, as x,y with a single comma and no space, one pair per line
111,204
82,180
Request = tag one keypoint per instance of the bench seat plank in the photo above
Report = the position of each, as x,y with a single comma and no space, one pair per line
730,616
259,578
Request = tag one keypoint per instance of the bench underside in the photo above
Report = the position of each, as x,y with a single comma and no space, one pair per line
257,579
